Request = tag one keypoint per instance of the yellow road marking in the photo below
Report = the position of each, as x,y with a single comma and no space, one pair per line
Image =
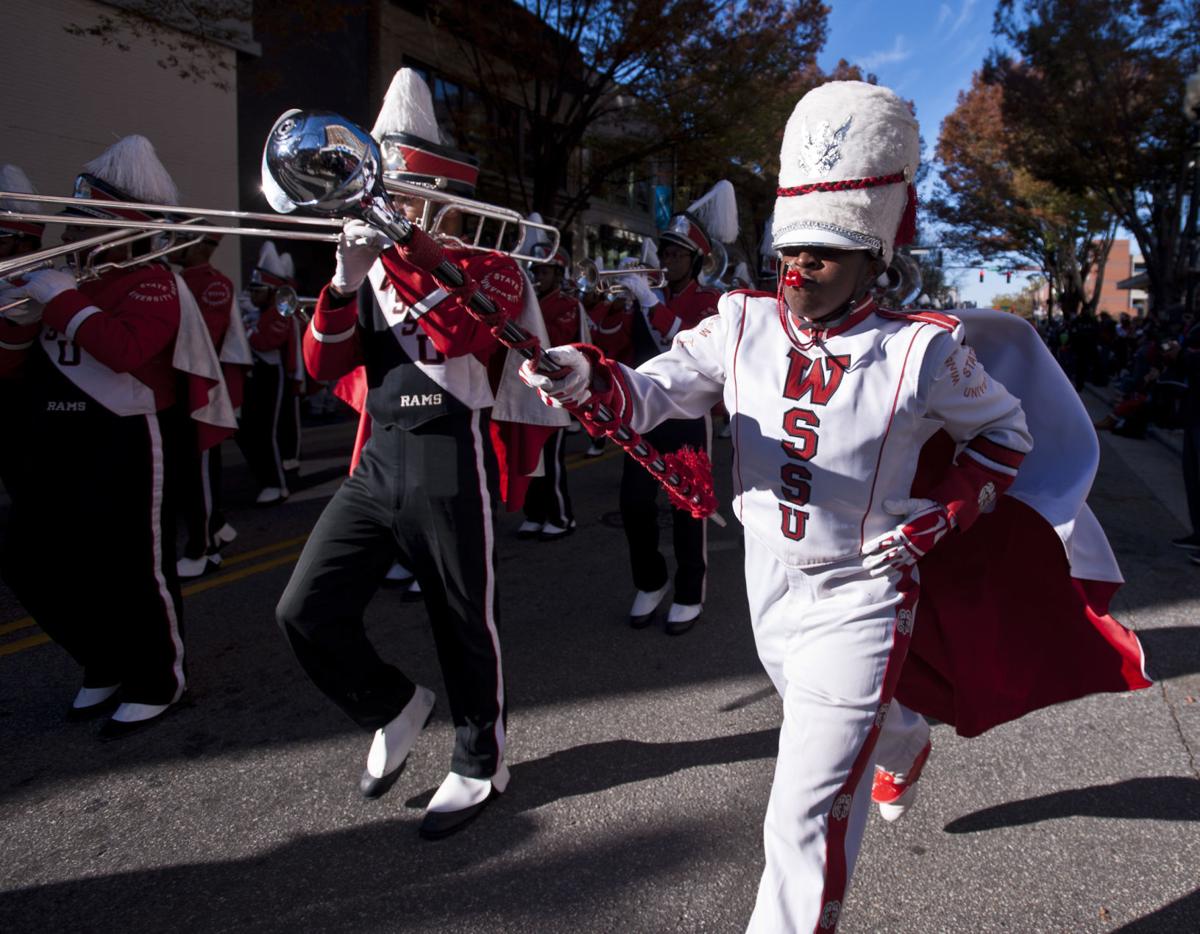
24,623
221,580
10,648
265,550
201,586
29,642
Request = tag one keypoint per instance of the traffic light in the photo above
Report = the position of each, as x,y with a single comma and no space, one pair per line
981,275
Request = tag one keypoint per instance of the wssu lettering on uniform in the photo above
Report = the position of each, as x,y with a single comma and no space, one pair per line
426,398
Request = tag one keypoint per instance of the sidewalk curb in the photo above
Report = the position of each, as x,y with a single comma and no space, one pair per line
1163,436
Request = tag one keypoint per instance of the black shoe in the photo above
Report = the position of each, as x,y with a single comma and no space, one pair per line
436,825
645,606
370,786
681,619
1190,542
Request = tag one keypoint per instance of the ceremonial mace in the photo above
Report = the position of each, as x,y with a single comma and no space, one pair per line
323,163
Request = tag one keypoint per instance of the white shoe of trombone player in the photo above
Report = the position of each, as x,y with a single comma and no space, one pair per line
641,614
269,496
189,568
393,742
681,617
458,801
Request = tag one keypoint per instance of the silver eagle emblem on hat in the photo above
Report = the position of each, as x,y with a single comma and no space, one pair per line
822,150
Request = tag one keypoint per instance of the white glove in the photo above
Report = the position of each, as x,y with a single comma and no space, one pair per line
571,388
640,289
358,247
28,312
924,525
25,312
45,285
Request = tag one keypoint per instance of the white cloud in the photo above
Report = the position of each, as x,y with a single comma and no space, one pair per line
963,16
943,15
899,52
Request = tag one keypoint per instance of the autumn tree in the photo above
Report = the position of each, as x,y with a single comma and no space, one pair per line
996,210
1093,89
703,85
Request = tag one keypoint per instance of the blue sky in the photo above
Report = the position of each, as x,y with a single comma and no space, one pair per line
926,51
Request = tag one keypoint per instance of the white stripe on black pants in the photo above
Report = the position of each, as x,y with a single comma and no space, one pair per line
422,497
91,550
547,499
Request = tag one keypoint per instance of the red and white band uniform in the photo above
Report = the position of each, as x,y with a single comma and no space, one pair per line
201,489
422,493
652,331
98,513
827,426
548,500
611,327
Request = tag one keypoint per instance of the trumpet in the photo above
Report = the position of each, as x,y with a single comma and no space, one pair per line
289,304
591,279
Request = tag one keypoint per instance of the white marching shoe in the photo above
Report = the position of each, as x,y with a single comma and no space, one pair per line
529,529
641,614
392,744
681,617
92,702
398,573
459,800
271,495
224,535
133,717
188,568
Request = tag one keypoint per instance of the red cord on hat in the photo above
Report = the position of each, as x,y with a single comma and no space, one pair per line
846,184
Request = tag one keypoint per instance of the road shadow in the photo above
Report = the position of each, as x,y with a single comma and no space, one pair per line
1171,651
1167,798
1177,917
596,767
491,877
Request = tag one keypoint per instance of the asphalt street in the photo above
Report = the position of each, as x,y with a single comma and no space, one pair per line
641,763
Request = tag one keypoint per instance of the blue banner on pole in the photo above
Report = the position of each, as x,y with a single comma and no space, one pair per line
662,206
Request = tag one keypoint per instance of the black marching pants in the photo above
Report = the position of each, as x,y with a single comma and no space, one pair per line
199,492
639,513
91,547
422,497
258,433
547,499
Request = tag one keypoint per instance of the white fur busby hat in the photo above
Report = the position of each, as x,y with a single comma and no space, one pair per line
849,155
273,268
712,217
128,170
15,180
413,146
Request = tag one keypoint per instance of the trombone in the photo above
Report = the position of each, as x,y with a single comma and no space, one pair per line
493,230
591,279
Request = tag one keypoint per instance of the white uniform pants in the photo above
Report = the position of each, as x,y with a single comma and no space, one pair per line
833,640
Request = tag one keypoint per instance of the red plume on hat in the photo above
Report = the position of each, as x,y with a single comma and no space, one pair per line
712,217
13,179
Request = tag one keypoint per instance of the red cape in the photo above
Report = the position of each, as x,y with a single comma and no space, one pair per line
1002,627
1013,614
